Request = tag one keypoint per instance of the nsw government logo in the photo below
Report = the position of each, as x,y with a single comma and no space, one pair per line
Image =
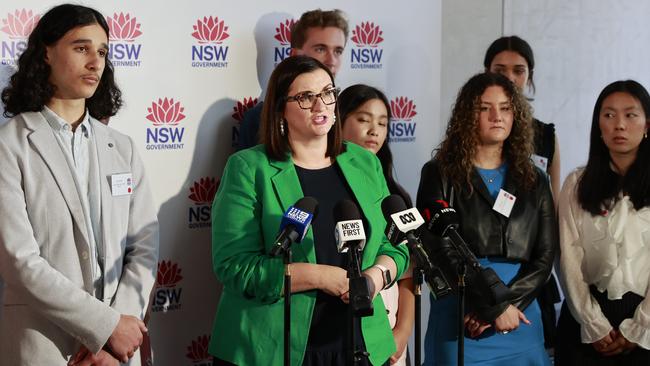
167,296
402,126
367,54
210,32
122,48
198,353
202,193
238,114
165,134
283,35
16,26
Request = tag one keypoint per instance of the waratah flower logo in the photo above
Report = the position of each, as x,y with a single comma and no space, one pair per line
165,111
402,108
283,32
242,106
20,24
210,30
203,191
123,27
367,34
168,274
198,350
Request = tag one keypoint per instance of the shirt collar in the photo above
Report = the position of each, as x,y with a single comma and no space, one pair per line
59,124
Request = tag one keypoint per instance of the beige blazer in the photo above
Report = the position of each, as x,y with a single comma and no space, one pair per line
49,309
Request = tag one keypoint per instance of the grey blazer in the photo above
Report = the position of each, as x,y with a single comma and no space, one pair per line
49,309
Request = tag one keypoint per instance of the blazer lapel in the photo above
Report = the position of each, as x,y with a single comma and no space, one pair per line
105,146
44,141
480,188
288,190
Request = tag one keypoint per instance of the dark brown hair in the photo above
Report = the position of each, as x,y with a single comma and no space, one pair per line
317,19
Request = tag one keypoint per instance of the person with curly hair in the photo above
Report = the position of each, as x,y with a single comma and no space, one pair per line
78,230
605,237
507,217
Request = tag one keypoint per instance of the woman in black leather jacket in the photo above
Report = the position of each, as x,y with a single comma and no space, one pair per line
507,218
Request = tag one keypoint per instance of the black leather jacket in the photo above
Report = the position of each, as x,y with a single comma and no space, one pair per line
528,236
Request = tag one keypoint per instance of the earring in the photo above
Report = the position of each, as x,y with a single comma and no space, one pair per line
645,135
334,119
282,127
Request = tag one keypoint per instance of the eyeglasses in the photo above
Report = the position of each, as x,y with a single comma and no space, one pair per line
306,99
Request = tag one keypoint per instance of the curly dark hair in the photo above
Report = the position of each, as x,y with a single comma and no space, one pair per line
29,88
456,152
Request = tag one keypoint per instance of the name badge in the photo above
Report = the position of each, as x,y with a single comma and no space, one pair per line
504,203
539,161
121,184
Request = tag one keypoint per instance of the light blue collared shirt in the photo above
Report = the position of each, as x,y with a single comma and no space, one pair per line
80,151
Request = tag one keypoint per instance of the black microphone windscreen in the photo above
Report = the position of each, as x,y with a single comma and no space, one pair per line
346,210
442,217
308,204
392,204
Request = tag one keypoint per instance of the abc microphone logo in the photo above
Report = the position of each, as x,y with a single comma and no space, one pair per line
407,218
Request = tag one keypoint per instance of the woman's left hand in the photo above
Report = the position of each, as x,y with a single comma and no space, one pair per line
509,320
474,325
401,340
618,346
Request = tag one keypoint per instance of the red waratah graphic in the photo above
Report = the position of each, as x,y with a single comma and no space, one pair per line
210,30
168,274
283,32
367,34
165,111
242,106
198,351
20,24
402,108
203,191
123,27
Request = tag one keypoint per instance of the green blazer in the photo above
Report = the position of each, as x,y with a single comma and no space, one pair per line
254,193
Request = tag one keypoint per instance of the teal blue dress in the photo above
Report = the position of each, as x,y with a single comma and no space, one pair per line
523,346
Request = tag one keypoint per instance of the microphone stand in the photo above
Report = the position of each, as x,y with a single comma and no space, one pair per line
287,306
359,293
462,270
418,275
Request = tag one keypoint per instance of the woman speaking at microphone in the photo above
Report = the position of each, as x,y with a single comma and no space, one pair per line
302,154
483,169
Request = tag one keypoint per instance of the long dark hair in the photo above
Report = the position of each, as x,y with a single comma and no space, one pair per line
277,146
599,186
456,152
29,88
352,98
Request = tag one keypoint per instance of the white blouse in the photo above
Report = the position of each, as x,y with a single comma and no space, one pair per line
610,251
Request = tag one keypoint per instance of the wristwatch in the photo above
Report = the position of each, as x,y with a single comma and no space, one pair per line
385,275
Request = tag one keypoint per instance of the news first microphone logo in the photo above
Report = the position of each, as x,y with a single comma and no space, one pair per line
366,53
283,36
17,27
210,52
197,351
240,108
348,231
202,194
165,114
167,296
402,126
123,50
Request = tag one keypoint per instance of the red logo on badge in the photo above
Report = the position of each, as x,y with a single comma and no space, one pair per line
283,32
20,24
402,108
198,350
168,274
123,27
367,34
210,30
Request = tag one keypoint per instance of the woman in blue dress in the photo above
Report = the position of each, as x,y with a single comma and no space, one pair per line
507,218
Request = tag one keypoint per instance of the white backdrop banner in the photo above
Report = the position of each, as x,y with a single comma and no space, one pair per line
189,70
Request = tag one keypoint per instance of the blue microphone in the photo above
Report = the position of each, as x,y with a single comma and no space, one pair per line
294,225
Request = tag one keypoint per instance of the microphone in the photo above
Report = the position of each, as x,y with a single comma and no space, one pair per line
294,225
349,231
443,221
351,238
401,227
